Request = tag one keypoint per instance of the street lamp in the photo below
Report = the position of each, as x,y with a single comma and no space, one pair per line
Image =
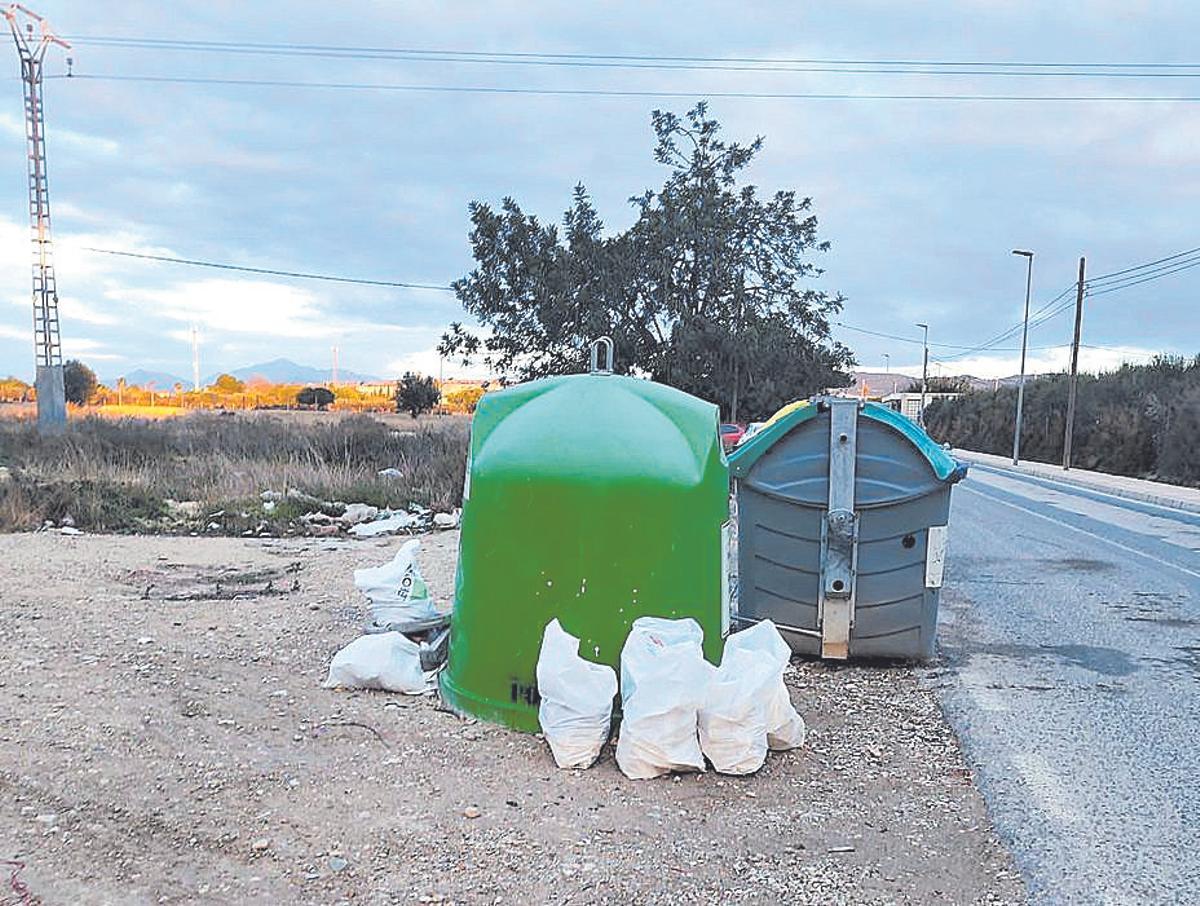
924,373
1028,256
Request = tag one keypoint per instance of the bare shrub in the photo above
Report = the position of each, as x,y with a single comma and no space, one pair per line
118,474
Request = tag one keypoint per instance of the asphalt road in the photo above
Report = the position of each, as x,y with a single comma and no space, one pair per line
1070,641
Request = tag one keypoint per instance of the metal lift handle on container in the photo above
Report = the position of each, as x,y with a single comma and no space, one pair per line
839,533
607,344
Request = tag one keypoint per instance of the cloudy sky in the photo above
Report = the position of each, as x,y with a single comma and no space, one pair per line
923,201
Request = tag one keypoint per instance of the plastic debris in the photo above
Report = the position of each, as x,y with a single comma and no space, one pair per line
388,525
388,661
397,591
447,520
576,705
358,512
663,681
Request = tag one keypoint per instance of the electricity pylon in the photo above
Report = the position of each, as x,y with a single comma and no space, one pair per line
51,397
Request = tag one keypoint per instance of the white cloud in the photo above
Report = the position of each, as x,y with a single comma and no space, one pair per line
93,350
238,306
1052,361
427,361
70,138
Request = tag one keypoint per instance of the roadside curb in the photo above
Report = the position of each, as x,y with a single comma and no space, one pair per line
1170,496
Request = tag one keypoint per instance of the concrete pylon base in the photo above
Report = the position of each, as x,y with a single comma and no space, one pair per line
51,398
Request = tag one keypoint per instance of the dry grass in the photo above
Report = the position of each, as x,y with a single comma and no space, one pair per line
118,474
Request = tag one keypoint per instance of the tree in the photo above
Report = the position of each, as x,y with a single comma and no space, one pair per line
320,397
13,390
227,383
946,385
79,382
464,400
416,394
708,290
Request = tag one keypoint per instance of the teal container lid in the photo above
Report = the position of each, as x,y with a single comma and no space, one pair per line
743,458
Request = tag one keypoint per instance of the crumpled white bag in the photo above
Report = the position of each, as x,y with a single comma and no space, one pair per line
387,660
747,708
663,680
387,525
396,589
576,705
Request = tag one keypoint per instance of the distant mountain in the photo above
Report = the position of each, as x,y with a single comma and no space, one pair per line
285,371
879,383
141,377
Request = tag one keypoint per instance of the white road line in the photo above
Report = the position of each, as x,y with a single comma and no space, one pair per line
1075,528
1173,531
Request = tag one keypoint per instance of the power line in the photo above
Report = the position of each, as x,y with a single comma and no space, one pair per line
1004,335
612,61
918,342
630,93
122,40
1145,279
194,262
1138,267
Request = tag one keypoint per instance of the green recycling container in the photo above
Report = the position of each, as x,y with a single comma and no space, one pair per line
593,498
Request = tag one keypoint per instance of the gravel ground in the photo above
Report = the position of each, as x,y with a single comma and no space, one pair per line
164,739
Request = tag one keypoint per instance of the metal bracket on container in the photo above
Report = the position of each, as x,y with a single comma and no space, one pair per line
597,343
839,533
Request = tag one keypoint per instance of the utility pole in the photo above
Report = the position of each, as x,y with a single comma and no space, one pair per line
47,343
1024,345
924,374
333,373
195,360
1071,389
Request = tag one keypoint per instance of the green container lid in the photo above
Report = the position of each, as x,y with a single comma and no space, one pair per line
596,499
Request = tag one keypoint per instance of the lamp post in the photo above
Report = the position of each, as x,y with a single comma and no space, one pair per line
924,374
1028,256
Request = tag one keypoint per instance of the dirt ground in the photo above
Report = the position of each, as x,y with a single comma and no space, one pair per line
164,738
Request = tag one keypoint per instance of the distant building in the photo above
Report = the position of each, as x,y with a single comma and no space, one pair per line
909,403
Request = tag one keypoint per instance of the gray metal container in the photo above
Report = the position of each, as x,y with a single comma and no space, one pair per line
842,510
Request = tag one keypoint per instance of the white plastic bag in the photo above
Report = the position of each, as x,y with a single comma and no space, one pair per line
387,525
386,660
762,644
733,718
663,679
576,699
397,592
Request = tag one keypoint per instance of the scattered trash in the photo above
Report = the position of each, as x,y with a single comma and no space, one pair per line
471,811
388,525
397,592
447,520
390,473
387,661
663,680
575,712
355,513
69,530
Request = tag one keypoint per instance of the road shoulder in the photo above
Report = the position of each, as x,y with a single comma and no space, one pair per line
1171,496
